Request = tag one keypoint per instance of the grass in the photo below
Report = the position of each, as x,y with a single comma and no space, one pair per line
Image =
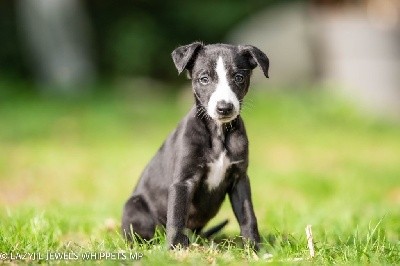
67,166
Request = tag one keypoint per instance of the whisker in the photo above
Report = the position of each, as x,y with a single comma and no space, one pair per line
248,104
204,114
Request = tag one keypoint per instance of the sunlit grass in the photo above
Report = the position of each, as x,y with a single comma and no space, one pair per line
67,166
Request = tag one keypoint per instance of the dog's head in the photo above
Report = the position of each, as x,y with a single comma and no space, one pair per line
220,75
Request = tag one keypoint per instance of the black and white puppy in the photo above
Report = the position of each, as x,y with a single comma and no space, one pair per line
206,156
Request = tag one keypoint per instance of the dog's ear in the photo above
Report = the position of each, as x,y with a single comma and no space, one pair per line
183,56
256,57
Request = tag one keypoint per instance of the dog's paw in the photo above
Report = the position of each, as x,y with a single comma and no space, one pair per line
178,241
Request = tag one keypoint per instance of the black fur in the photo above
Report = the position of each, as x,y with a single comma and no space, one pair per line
172,190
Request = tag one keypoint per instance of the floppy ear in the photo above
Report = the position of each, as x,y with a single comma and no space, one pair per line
256,57
183,55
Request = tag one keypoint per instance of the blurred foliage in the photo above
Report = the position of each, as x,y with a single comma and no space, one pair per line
12,63
135,37
139,37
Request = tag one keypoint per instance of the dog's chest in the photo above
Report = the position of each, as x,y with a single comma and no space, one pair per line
217,170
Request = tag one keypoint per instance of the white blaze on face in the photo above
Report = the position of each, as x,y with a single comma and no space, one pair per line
223,92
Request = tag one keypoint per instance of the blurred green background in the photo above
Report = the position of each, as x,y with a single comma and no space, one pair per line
88,92
130,38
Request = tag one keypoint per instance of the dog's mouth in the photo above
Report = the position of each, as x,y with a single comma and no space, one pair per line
225,118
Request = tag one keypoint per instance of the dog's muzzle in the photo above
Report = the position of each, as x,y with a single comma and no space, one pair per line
225,111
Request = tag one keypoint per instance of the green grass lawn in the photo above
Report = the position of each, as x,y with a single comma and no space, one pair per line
67,167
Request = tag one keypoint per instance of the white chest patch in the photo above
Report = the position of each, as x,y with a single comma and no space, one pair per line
217,171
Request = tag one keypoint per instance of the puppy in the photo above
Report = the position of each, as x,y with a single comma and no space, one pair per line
206,156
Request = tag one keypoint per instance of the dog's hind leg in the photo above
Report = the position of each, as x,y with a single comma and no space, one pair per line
137,219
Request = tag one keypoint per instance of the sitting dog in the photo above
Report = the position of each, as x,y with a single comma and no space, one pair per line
206,156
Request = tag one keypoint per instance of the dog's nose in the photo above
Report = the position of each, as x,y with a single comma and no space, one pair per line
224,108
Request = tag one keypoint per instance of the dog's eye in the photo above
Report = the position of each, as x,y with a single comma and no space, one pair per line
204,80
239,78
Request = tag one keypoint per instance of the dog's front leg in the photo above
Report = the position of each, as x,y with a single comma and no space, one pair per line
179,196
240,197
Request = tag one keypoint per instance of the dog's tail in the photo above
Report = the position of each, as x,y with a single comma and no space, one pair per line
215,229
